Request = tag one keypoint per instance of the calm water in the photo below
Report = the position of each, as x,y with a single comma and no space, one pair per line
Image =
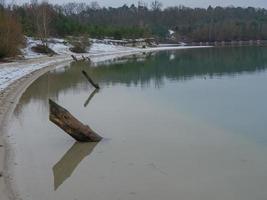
187,124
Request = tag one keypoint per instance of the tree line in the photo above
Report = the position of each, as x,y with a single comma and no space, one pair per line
190,24
135,21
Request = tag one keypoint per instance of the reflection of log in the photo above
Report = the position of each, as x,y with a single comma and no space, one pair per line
74,58
67,164
90,97
90,80
62,118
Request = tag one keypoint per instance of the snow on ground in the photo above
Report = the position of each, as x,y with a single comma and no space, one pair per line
27,51
97,48
13,71
57,45
60,48
10,72
98,53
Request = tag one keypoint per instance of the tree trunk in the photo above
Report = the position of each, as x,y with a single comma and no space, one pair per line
63,119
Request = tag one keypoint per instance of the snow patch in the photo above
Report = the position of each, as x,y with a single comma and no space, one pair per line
171,32
9,73
27,51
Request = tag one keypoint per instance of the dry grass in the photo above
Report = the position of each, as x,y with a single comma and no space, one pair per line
11,36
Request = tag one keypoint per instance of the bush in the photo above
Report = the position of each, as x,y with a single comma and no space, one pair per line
80,44
11,36
41,48
78,49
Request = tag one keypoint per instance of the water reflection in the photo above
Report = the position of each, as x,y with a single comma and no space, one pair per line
184,65
90,97
63,169
152,70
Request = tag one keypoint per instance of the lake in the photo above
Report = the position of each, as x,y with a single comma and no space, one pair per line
187,124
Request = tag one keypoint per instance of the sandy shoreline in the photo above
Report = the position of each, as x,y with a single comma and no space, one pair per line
8,100
10,96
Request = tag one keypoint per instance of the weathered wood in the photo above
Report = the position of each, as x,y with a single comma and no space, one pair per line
72,126
90,80
74,58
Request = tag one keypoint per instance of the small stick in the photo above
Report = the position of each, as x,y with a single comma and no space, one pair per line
90,80
74,58
83,58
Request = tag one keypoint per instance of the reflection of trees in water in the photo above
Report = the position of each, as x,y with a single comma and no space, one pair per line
51,84
185,65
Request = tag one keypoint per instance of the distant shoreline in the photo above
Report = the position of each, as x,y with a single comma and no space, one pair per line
231,43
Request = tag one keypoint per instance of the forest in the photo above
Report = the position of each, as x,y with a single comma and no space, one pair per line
135,21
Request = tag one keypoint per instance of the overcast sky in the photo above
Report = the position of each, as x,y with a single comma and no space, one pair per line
190,3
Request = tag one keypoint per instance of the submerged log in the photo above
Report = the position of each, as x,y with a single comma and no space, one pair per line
90,80
74,58
72,126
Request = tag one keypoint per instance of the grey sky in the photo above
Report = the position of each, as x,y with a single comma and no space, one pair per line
190,3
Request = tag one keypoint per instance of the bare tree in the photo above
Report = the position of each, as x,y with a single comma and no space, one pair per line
2,3
94,5
74,8
43,17
141,4
156,5
68,9
34,2
44,21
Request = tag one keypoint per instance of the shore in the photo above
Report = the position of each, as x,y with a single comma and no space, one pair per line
21,76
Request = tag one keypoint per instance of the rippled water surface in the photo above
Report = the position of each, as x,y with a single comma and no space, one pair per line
187,124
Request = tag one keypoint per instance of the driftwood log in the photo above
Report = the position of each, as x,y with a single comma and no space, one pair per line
63,119
90,80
